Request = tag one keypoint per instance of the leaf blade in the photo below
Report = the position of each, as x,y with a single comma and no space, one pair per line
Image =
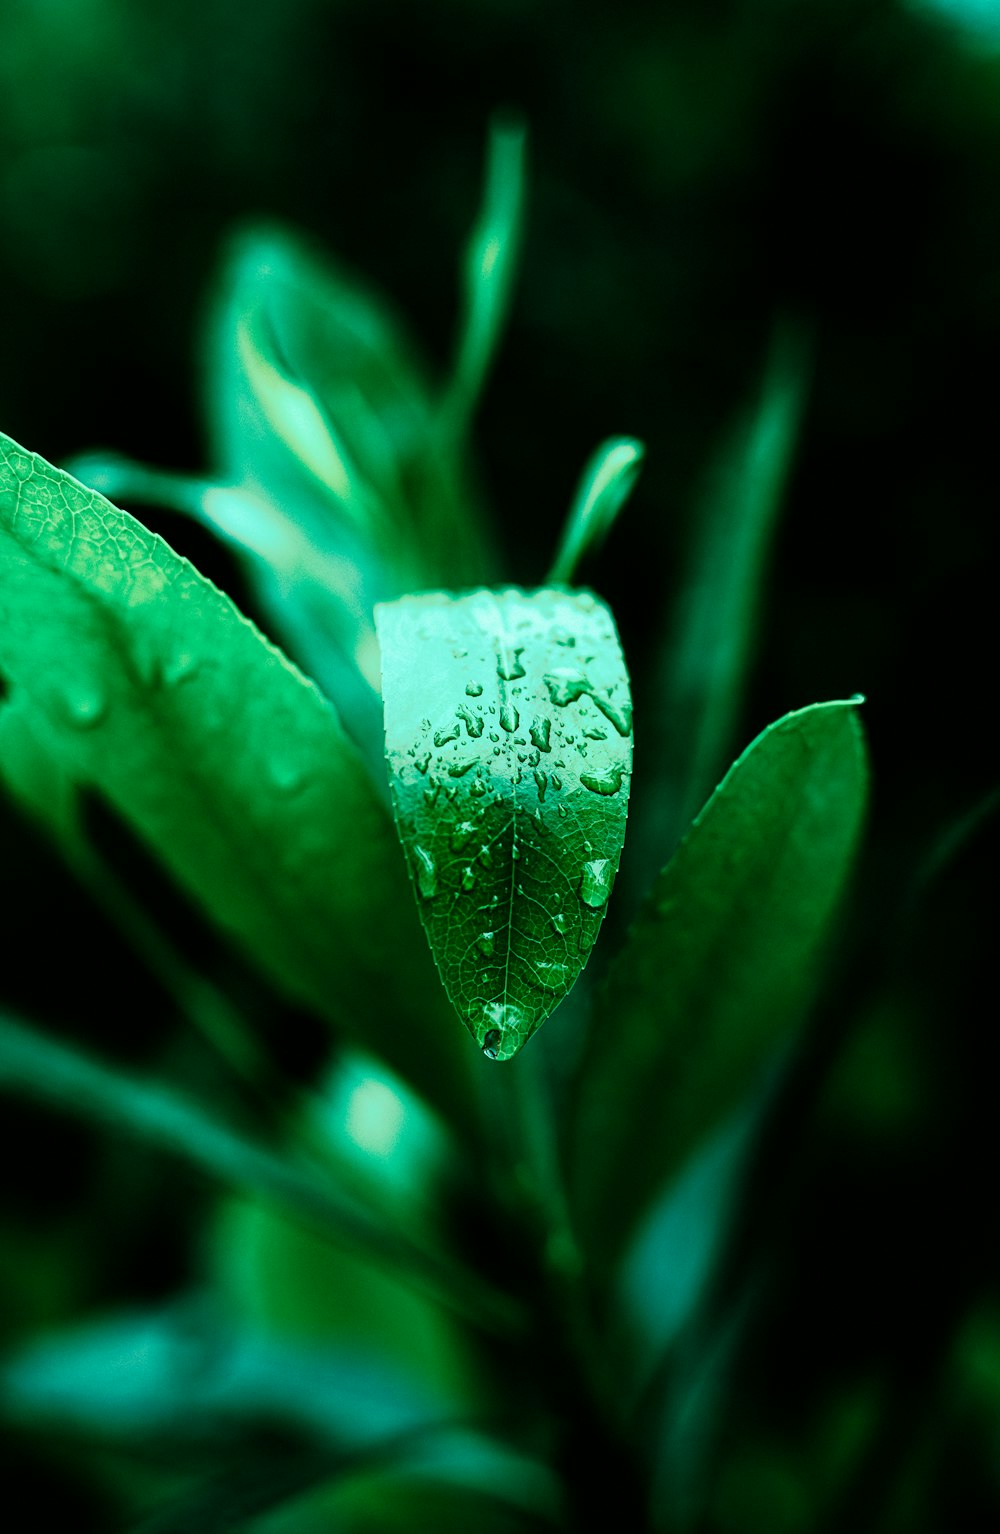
508,741
721,964
144,682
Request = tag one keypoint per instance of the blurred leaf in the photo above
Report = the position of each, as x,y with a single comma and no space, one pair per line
139,679
671,1261
32,1065
605,485
720,966
508,738
177,1376
716,619
314,600
175,1382
490,264
374,1141
318,409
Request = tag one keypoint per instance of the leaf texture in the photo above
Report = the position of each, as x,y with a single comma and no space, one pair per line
132,676
720,967
509,747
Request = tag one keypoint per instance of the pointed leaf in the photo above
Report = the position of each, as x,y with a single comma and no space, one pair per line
605,486
136,677
720,965
508,739
317,401
714,626
489,268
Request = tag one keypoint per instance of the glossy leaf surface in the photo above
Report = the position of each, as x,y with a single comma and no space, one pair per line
720,965
132,675
509,745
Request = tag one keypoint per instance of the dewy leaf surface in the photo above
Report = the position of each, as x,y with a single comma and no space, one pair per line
720,966
509,744
135,677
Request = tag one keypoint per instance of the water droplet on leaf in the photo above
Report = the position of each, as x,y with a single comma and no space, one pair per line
486,942
509,718
595,883
86,705
620,714
450,732
607,782
566,684
473,690
509,666
541,729
426,873
473,722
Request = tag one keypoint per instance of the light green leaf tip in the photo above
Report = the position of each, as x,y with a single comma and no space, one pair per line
605,485
509,746
489,267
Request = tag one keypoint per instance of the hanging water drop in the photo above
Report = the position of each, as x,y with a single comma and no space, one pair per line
491,1043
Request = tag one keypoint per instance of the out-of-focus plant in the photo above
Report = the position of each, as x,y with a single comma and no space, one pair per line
437,1291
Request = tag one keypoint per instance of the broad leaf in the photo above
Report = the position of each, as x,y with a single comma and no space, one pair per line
720,966
509,744
133,675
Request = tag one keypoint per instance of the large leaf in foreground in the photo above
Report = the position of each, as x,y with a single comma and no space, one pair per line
720,965
137,678
509,744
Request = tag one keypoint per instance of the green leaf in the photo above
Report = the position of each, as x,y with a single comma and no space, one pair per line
605,486
720,967
508,740
317,401
716,615
57,1074
134,676
489,267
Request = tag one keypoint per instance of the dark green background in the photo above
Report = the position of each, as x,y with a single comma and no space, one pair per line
697,172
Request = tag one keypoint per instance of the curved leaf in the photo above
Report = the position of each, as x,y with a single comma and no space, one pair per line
136,677
509,744
719,967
